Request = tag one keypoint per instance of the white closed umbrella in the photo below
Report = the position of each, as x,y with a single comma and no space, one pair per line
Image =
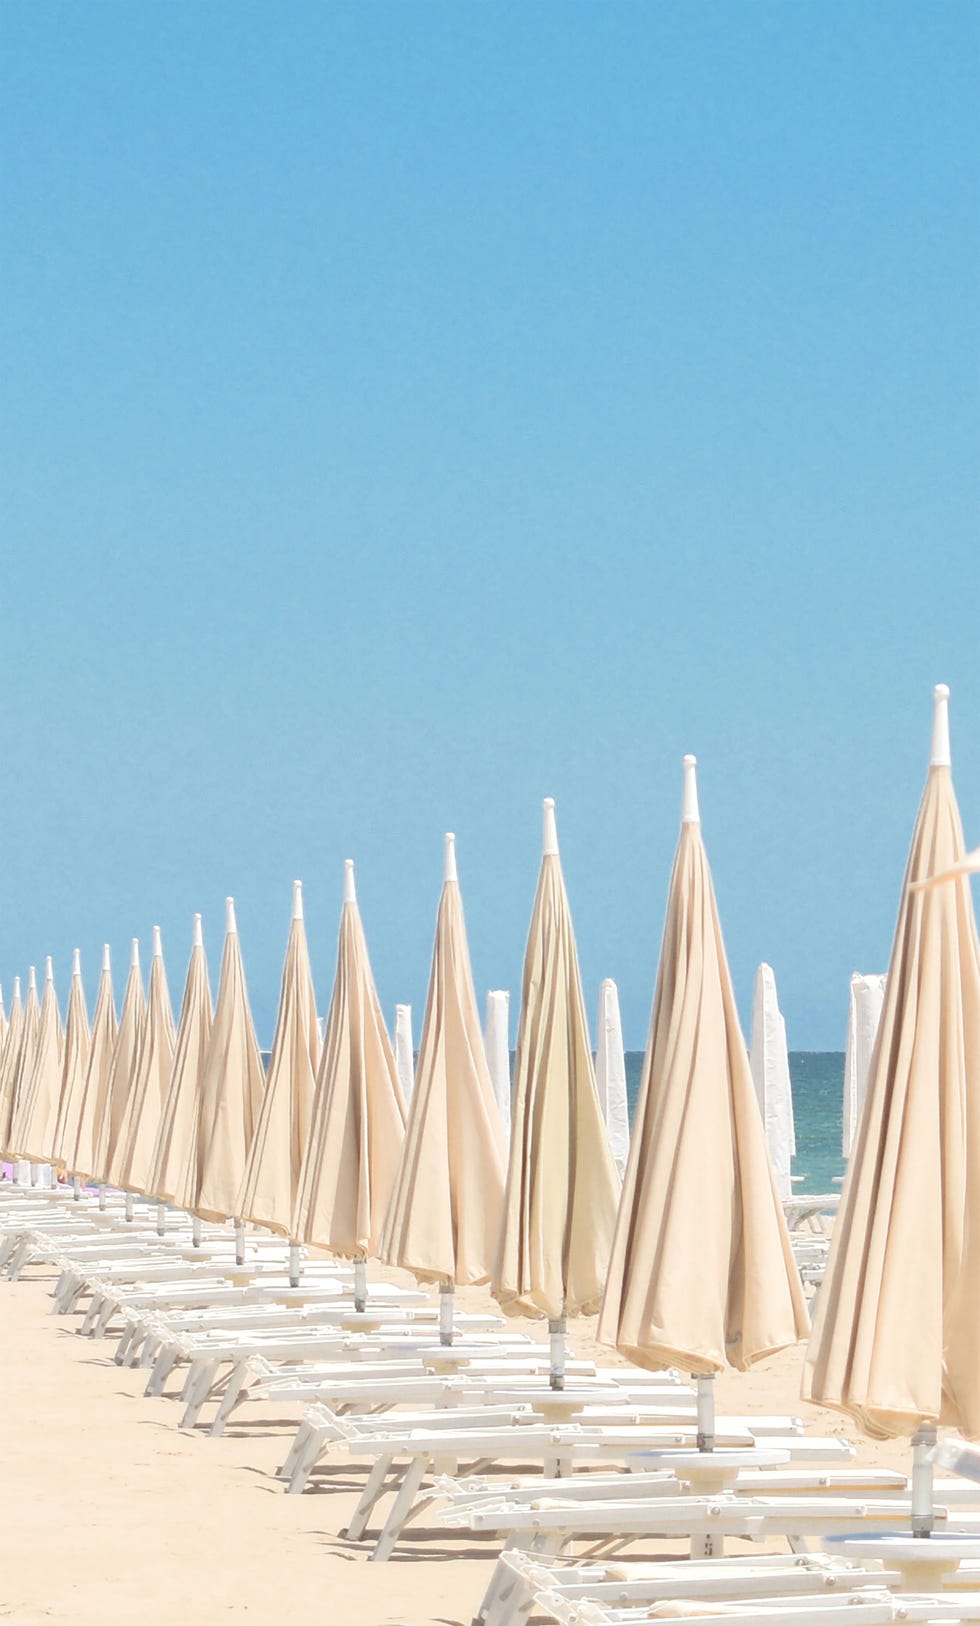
404,1050
610,1073
496,1039
864,1014
769,1060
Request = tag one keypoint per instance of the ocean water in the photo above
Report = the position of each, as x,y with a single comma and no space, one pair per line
817,1077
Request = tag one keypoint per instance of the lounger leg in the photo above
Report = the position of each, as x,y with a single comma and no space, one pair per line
299,1440
401,1508
232,1394
91,1315
19,1259
372,1490
162,1367
197,1389
306,1460
105,1315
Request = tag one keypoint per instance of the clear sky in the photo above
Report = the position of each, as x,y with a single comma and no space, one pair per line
413,409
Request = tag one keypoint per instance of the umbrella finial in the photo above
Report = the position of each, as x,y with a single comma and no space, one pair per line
940,757
297,900
350,895
106,958
134,955
549,848
690,811
16,987
48,969
197,941
157,944
231,924
31,980
76,963
449,872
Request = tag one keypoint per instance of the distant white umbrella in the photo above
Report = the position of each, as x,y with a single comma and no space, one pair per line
496,1038
867,998
610,1073
404,1050
769,1060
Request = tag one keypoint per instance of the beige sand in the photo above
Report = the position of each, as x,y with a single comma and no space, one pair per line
110,1514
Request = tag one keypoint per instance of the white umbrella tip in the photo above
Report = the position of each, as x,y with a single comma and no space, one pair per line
690,811
157,944
106,958
198,937
134,955
16,987
76,963
449,870
549,846
297,900
350,895
231,923
48,969
939,756
31,977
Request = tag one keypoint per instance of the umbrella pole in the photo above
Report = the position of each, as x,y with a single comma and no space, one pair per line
76,1188
195,1230
239,1242
556,1376
102,1198
294,1264
447,1296
129,1207
360,1285
161,1218
706,1411
923,1514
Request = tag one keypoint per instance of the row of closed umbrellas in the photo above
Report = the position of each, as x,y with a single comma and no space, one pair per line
689,1258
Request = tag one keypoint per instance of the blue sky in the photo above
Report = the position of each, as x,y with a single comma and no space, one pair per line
412,409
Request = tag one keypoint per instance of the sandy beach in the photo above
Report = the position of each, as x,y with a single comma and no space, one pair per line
112,1514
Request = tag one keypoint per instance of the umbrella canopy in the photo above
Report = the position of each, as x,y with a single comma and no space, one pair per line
83,1120
496,1042
174,1176
138,1133
271,1181
3,1019
74,1063
610,1073
894,1342
445,1211
8,1064
404,1050
122,1074
22,1063
37,1105
769,1060
702,1273
562,1187
358,1122
231,1090
864,1014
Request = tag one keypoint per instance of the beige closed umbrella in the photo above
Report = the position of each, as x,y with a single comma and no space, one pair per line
145,1106
894,1343
8,1065
702,1274
562,1186
3,1020
271,1182
37,1096
74,1065
83,1123
231,1091
358,1123
122,1077
24,1063
175,1175
444,1217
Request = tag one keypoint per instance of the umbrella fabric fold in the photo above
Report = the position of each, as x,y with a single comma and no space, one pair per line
122,1074
77,1045
271,1180
84,1114
769,1061
141,1123
231,1090
496,1043
358,1122
22,1061
174,1176
8,1064
37,1106
702,1273
444,1217
894,1343
404,1050
3,1020
610,1074
562,1187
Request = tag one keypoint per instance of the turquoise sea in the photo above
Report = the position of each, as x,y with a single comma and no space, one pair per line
817,1077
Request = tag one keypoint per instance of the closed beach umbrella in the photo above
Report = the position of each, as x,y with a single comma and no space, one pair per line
25,1057
702,1273
562,1187
769,1060
231,1094
610,1073
272,1177
444,1217
404,1050
894,1343
145,1106
37,1104
175,1176
74,1064
3,1019
122,1073
496,1041
358,1123
8,1064
864,1014
82,1129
